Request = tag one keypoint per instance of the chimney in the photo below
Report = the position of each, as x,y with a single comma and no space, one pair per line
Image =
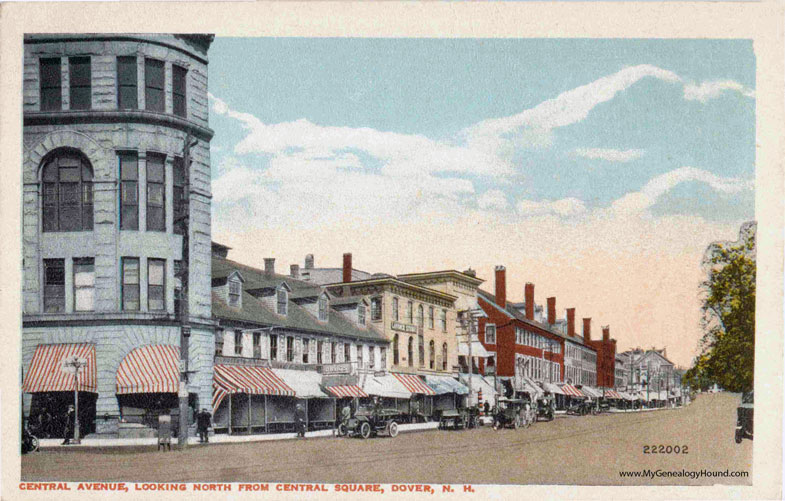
606,333
529,298
309,261
294,270
347,267
269,265
501,286
470,272
571,321
551,310
587,329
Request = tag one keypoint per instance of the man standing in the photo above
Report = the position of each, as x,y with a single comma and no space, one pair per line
299,419
69,425
202,425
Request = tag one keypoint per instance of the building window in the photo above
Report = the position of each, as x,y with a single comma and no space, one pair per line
319,352
409,312
273,347
67,193
383,353
361,315
219,342
396,317
127,96
430,317
156,271
234,292
376,309
323,308
154,85
431,354
84,284
54,285
490,334
257,345
178,287
129,190
156,189
444,356
410,351
281,302
360,356
79,81
178,90
420,316
347,352
396,358
238,343
131,283
50,76
306,347
289,349
421,350
443,320
179,200
332,353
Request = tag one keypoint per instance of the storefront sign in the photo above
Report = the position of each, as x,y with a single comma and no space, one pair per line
332,369
398,326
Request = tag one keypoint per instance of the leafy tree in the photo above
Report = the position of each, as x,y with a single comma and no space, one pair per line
728,345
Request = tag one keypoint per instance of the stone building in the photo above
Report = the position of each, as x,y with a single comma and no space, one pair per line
104,190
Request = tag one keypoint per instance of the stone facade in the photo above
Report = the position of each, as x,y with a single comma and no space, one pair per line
97,134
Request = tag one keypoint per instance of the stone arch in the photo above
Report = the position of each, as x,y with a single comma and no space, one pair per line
97,155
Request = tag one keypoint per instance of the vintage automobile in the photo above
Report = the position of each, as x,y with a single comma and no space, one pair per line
545,409
459,419
369,422
512,413
744,415
581,407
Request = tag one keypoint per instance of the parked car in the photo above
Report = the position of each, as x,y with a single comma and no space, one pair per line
744,415
459,419
513,413
369,422
545,409
580,408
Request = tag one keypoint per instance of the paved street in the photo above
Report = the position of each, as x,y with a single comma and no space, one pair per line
585,450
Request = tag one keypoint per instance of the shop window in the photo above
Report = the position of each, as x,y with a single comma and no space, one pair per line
410,351
50,77
444,356
376,309
129,190
361,315
80,76
67,193
431,354
131,283
84,284
54,285
154,85
430,317
178,90
490,334
281,301
323,308
396,317
238,343
156,272
156,189
179,199
289,349
396,359
127,95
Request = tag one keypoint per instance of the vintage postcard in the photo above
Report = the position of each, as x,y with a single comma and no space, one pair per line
284,250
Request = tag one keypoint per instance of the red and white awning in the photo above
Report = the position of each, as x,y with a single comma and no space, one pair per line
149,369
572,391
349,390
48,372
251,380
414,384
612,394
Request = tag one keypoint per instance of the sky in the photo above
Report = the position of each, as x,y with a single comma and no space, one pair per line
599,170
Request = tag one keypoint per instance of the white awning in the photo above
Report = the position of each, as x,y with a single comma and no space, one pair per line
552,388
477,350
385,386
304,383
591,392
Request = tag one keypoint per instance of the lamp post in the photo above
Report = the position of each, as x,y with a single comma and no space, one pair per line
76,363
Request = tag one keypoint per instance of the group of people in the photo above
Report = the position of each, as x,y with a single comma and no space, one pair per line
46,425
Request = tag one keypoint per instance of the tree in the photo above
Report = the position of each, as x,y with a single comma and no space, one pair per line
728,345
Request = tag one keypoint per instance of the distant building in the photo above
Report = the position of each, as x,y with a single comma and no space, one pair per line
324,276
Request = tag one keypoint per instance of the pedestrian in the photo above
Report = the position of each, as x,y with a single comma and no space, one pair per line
346,414
487,408
202,424
70,415
299,419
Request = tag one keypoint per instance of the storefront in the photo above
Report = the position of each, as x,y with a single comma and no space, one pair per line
421,402
449,393
572,394
560,399
393,393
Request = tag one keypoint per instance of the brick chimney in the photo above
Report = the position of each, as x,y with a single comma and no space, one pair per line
347,267
551,310
309,261
528,294
269,265
570,321
587,329
294,270
606,333
501,285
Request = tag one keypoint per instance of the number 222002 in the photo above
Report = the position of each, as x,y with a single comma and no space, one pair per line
665,449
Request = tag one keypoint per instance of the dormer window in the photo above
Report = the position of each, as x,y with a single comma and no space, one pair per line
323,308
361,314
234,293
282,298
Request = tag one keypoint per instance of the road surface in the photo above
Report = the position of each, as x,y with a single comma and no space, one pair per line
588,450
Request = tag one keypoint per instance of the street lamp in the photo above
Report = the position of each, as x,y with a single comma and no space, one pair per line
74,364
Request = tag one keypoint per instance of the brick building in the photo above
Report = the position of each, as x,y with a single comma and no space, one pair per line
606,354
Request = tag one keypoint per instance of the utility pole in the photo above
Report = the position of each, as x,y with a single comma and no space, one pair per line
76,363
185,328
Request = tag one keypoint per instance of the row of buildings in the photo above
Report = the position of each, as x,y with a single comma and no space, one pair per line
120,273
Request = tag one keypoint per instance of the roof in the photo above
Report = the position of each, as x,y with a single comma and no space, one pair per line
395,281
339,301
258,279
442,273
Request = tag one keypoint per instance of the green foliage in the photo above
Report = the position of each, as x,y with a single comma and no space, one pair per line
728,346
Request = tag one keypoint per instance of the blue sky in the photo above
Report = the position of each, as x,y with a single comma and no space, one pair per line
631,147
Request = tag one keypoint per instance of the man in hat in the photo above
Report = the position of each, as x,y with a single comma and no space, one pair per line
299,419
202,425
70,416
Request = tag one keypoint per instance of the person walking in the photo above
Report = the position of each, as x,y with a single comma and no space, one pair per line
487,408
299,419
202,425
70,415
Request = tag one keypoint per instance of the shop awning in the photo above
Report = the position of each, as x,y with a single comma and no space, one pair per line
414,384
304,383
149,369
48,372
572,391
347,390
385,386
443,385
478,350
612,394
591,392
528,385
479,384
553,388
250,379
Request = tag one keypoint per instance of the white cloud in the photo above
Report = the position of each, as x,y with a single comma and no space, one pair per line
566,207
493,200
705,91
608,154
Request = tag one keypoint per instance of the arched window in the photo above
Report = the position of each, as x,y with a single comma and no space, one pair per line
67,192
420,316
421,349
395,349
410,351
431,354
444,357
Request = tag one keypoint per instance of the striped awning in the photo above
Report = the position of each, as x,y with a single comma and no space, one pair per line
149,369
414,384
443,385
572,391
48,372
250,379
348,390
612,394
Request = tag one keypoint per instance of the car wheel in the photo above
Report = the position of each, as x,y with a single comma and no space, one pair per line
342,431
365,430
392,429
495,424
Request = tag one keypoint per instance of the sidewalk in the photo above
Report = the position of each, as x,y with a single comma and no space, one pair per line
55,443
